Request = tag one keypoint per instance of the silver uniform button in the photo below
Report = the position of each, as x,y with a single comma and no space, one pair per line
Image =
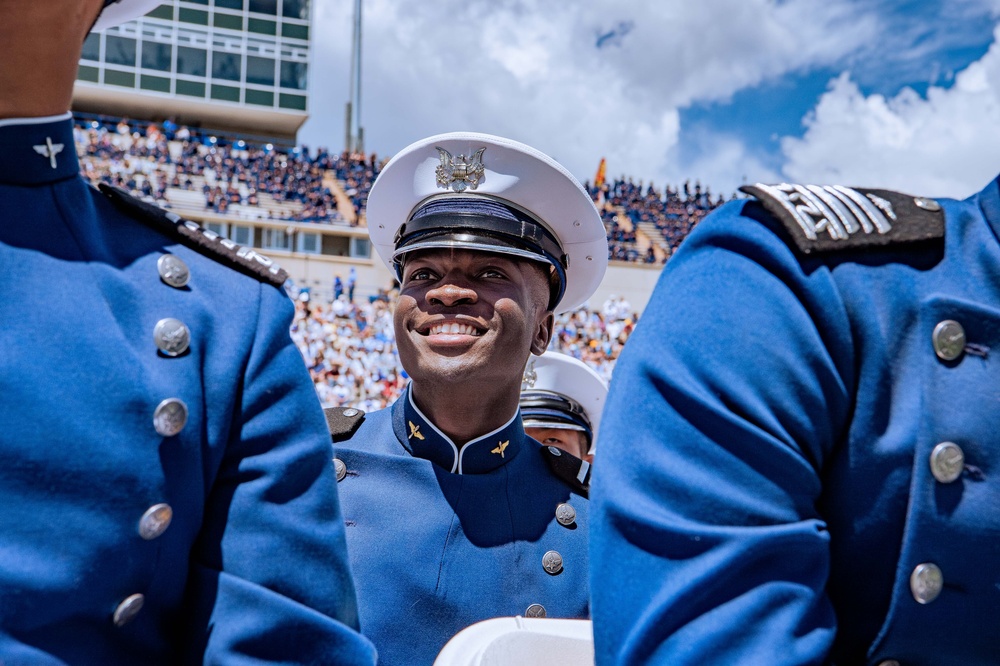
554,451
350,412
927,204
552,562
173,271
949,340
155,521
926,582
172,337
340,468
565,514
170,417
128,609
947,462
535,610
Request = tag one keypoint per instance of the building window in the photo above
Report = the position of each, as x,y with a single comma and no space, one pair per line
242,235
92,47
260,71
262,27
259,97
217,227
225,93
226,66
269,7
296,9
276,239
196,16
294,102
293,75
293,31
228,21
192,62
230,4
309,243
360,247
157,56
190,88
155,83
119,50
123,79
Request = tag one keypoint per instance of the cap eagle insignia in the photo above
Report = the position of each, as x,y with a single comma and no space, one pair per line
460,173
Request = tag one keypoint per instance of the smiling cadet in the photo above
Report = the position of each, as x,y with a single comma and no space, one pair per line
451,509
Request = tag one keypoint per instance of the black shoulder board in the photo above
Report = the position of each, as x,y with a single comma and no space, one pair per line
573,471
343,422
223,250
824,218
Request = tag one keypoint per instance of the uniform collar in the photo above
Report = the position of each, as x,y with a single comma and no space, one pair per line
37,151
481,455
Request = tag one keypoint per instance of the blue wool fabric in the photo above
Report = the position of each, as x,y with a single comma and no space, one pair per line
441,538
765,491
252,568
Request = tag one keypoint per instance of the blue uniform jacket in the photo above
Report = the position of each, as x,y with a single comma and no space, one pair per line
118,544
767,493
440,538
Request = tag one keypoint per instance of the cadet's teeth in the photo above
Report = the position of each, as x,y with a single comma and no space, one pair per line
452,328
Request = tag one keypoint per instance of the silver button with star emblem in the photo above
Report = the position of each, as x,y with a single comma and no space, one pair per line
949,340
565,514
155,521
340,468
947,462
350,412
172,337
552,562
170,417
128,609
926,582
927,204
173,271
554,451
535,610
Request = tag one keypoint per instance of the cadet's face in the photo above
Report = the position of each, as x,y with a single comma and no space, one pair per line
465,315
573,442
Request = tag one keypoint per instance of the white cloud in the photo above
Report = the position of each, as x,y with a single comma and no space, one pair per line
945,144
531,70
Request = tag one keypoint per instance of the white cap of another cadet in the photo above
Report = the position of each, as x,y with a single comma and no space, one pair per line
117,12
483,192
562,392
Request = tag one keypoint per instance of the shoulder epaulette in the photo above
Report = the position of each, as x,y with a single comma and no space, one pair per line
343,422
571,470
825,218
243,259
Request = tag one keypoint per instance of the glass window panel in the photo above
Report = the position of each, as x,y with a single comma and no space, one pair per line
119,50
226,66
86,73
192,16
228,21
293,75
296,102
297,9
91,47
261,26
269,7
242,235
162,12
229,4
157,83
157,56
360,247
260,71
226,93
293,31
124,79
259,97
190,88
192,62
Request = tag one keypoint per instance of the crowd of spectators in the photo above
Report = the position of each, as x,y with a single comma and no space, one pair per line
349,347
673,212
235,176
232,174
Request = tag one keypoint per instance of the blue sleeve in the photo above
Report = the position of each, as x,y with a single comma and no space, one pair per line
707,546
270,574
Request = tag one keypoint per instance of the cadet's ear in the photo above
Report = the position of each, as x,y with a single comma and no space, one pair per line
543,333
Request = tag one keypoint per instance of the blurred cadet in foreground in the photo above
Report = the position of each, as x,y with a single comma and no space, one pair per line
454,514
166,492
800,440
561,403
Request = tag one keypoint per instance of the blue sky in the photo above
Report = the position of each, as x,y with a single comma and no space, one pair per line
891,93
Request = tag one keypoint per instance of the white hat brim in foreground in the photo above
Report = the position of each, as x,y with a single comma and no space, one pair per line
512,172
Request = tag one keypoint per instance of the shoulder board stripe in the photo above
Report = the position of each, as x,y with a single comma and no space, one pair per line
243,259
824,218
